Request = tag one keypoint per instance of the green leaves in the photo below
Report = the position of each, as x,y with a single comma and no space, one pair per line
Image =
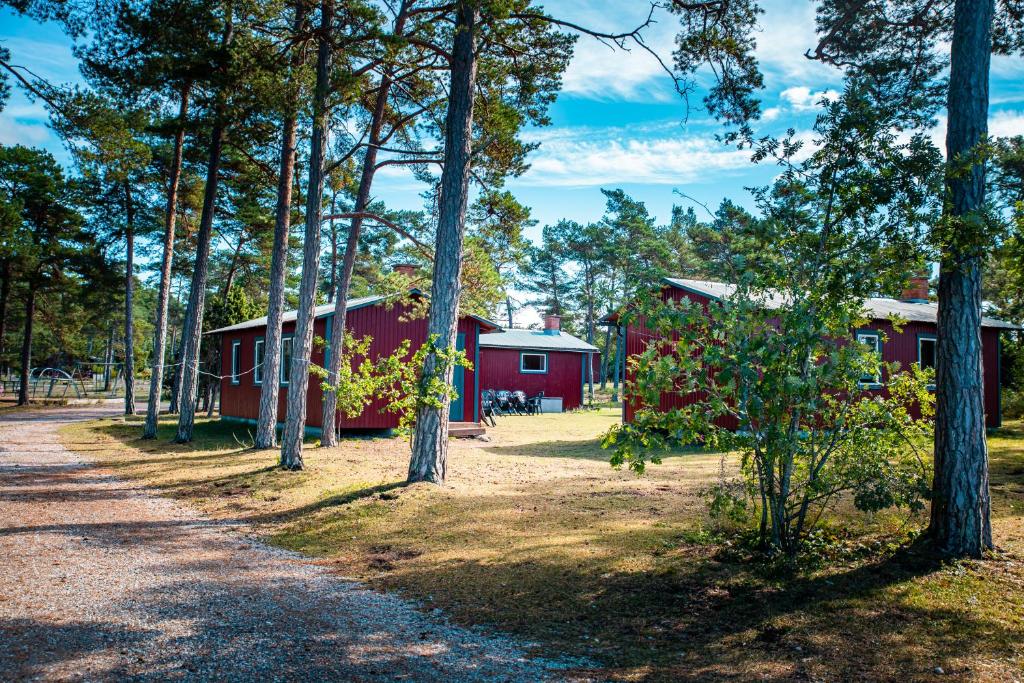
773,369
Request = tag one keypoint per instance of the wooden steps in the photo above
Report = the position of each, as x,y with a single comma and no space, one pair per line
464,430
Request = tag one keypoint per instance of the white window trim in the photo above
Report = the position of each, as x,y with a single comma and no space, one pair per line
257,372
934,341
935,354
862,337
236,361
281,371
524,371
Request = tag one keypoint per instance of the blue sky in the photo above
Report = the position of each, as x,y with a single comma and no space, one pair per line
618,122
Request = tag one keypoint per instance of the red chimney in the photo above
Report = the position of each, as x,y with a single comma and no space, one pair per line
916,291
552,324
406,269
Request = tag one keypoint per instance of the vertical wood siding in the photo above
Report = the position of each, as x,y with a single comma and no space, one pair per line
898,347
387,325
499,369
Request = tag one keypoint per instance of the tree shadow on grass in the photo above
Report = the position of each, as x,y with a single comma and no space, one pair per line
710,620
335,500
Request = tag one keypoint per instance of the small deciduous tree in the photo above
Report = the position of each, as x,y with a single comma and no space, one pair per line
772,369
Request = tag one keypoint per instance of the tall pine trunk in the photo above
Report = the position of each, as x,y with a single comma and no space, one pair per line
5,295
175,403
302,342
192,330
334,250
129,304
164,295
430,439
329,408
604,356
26,345
960,515
108,359
266,424
590,357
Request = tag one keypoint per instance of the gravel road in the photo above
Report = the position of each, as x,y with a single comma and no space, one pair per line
100,579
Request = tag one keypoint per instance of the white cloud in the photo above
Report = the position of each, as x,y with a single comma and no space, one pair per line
24,122
1005,123
665,161
51,60
13,132
787,32
798,99
802,98
600,72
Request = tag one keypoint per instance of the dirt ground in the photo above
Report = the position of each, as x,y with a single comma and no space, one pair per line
102,579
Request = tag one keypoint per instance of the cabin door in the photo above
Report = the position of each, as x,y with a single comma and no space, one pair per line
455,412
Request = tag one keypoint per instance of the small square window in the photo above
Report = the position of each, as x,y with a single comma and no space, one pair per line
533,362
236,361
257,373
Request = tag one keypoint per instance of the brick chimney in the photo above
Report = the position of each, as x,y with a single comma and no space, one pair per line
406,269
916,291
552,324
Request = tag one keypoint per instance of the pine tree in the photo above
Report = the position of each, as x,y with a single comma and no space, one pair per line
894,46
48,245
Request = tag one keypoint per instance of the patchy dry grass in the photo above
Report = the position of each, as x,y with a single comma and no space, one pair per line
535,534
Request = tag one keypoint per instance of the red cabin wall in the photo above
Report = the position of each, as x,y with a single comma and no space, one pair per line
899,347
636,342
499,369
388,330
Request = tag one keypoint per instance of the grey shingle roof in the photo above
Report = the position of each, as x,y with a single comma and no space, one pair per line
534,339
879,308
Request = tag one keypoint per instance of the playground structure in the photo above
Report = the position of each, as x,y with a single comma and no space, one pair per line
47,383
82,382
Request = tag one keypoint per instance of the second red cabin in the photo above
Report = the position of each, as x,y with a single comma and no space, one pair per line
535,361
914,343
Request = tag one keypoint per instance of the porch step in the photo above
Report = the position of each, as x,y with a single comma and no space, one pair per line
462,430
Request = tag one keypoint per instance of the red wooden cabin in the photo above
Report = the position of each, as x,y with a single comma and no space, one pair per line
384,318
533,361
914,344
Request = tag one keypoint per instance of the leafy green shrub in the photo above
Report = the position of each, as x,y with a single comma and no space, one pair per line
1013,404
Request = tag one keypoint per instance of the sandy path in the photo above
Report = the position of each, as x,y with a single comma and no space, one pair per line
100,579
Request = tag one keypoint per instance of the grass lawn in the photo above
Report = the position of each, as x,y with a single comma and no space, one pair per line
536,535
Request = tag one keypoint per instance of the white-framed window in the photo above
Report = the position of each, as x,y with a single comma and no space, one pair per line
257,373
236,360
872,340
926,351
286,359
533,362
